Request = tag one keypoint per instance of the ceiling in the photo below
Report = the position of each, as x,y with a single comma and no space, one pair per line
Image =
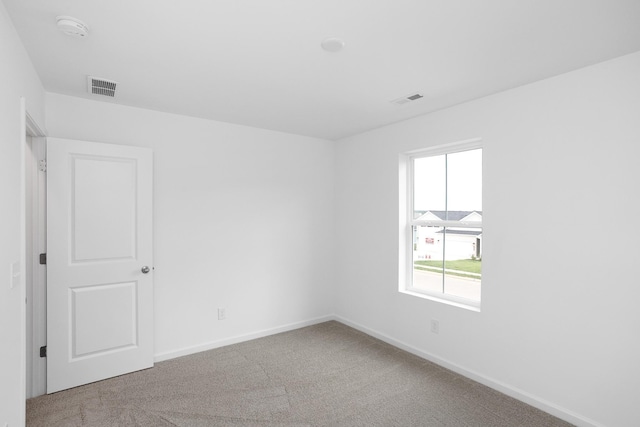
259,63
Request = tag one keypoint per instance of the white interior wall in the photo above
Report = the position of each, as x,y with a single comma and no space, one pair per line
243,220
559,322
18,79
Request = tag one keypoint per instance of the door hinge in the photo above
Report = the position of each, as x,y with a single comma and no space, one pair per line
43,165
43,351
43,259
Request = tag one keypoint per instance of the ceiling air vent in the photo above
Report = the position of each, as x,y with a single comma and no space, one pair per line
407,99
98,86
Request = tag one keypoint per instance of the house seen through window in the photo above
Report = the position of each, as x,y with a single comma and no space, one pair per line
444,228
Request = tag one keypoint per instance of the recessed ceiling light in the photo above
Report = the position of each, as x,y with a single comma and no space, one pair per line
72,27
332,44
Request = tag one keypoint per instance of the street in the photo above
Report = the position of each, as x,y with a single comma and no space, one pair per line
454,285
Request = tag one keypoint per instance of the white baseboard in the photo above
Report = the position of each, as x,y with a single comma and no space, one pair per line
510,391
185,351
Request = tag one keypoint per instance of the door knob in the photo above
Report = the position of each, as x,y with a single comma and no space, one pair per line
145,269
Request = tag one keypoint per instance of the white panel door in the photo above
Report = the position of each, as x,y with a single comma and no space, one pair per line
99,261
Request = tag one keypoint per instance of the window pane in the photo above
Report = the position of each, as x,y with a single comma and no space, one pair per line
427,258
463,262
464,181
429,186
447,261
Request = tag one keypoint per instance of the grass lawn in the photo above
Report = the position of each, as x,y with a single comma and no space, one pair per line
469,265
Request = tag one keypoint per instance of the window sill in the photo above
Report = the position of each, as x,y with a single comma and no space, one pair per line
449,300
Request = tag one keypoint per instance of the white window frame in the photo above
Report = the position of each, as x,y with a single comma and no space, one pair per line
407,222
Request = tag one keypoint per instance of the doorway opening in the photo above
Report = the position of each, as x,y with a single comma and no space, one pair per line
34,245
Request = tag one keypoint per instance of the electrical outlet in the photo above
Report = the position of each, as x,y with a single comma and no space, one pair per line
222,313
435,326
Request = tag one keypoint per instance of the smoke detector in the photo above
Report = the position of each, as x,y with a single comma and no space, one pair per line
72,27
99,86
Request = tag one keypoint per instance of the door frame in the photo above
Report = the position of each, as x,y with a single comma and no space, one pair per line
33,243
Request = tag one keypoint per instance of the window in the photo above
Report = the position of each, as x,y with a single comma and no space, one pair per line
442,242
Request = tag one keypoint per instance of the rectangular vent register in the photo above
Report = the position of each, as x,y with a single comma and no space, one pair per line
98,86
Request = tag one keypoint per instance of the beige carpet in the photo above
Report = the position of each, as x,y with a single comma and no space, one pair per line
322,375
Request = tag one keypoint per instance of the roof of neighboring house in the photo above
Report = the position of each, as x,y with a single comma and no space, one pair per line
465,232
452,215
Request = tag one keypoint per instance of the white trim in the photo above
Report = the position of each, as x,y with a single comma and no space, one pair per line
407,222
38,300
29,259
405,247
33,365
23,248
500,386
185,351
446,299
32,127
449,148
28,126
